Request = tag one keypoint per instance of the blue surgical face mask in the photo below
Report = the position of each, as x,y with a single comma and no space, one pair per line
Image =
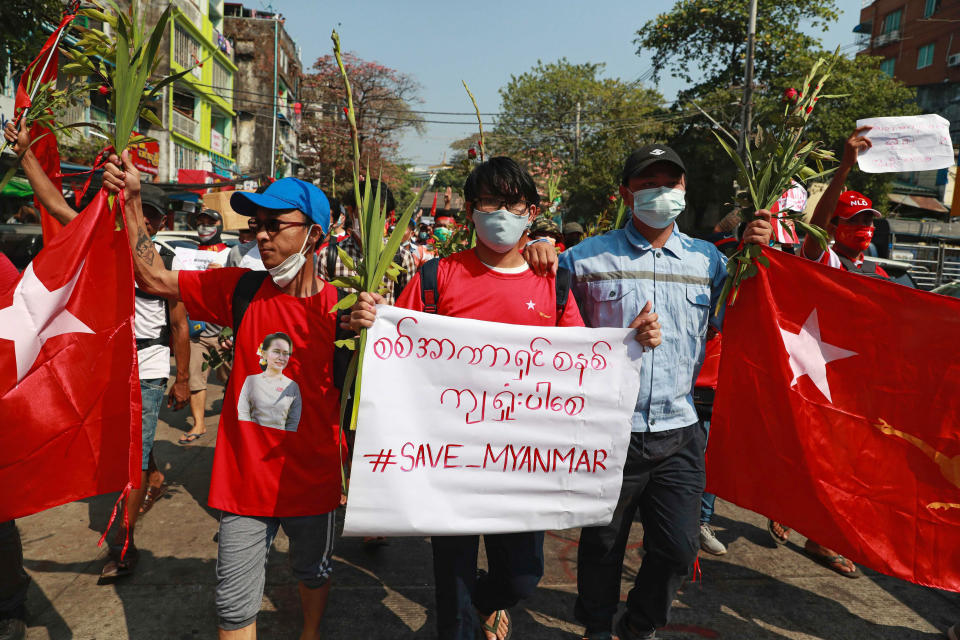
499,230
658,207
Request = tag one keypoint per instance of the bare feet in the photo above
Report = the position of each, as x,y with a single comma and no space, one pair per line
831,559
498,620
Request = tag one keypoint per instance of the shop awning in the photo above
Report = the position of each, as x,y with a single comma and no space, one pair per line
918,202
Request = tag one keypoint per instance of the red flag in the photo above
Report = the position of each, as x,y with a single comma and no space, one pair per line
433,207
69,388
44,148
837,414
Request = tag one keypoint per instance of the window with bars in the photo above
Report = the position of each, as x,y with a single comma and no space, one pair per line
186,50
925,56
222,81
185,158
887,66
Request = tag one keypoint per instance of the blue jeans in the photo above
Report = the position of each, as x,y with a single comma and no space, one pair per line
151,396
708,500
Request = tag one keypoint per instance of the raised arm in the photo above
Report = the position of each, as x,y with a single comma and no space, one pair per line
152,276
47,193
855,144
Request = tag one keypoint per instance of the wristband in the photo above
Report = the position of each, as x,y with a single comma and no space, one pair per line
535,242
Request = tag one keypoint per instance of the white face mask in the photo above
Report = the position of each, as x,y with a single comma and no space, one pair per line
284,273
499,230
206,231
658,207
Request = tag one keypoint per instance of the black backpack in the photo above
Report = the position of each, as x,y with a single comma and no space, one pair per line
430,293
247,288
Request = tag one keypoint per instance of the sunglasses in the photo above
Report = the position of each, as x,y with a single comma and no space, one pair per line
273,225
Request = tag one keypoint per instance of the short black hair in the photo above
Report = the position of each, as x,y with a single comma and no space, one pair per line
350,200
502,177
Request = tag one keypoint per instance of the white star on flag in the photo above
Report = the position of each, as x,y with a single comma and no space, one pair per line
36,315
809,354
531,304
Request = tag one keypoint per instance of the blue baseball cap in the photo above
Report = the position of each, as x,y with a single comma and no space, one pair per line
283,195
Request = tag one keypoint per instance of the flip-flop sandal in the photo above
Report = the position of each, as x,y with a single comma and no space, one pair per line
498,616
153,494
773,534
190,438
834,563
116,568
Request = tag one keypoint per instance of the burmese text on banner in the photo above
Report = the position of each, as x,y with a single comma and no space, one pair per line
470,427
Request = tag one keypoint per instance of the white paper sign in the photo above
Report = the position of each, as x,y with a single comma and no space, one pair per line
196,260
907,143
470,427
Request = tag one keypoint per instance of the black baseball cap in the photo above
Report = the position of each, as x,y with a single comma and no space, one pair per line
646,156
154,197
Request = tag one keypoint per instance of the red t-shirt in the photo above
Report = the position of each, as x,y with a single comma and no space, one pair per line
276,452
470,289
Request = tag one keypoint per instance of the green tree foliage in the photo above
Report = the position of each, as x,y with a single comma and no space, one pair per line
537,126
21,32
707,39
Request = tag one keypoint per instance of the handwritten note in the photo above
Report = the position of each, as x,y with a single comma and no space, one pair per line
196,260
907,143
469,427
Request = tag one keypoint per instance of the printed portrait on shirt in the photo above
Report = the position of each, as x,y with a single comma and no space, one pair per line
271,399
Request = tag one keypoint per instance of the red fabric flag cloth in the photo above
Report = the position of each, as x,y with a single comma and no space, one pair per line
69,388
837,414
44,148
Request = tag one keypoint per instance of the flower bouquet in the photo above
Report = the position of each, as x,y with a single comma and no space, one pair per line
773,159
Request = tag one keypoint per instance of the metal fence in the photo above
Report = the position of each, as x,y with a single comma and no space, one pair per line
931,264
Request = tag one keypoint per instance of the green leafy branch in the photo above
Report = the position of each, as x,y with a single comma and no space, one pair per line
775,158
377,256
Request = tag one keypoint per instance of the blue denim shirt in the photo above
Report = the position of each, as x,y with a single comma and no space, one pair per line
615,274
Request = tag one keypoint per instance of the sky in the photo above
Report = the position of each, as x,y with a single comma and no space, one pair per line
440,43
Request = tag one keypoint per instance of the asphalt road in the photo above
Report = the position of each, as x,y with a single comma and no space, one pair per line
756,591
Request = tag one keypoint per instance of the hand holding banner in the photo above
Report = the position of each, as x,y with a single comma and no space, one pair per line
470,427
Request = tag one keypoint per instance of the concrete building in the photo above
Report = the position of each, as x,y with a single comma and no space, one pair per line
919,41
267,92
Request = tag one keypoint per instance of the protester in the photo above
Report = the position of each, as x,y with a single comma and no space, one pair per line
572,234
245,254
616,278
544,227
204,336
332,267
158,324
848,218
265,478
489,282
415,241
704,390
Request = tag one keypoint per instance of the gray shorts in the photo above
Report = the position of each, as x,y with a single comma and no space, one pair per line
244,542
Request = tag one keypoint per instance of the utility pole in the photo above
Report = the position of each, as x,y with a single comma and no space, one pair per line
746,108
273,133
576,145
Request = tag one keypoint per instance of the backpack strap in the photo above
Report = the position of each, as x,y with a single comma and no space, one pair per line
247,287
332,255
866,268
563,281
429,292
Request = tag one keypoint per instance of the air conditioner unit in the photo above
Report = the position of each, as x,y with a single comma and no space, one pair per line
953,60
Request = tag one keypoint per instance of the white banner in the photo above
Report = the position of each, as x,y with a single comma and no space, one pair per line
906,143
470,427
186,259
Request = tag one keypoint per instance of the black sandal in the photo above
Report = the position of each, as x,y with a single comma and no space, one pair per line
486,628
773,534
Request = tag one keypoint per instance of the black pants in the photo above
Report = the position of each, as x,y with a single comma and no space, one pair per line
13,579
515,562
663,478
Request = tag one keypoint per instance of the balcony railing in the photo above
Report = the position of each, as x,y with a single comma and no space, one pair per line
185,125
